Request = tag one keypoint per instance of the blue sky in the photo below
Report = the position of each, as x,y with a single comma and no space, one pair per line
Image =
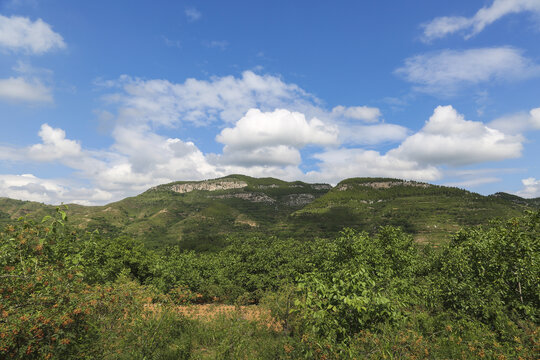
100,100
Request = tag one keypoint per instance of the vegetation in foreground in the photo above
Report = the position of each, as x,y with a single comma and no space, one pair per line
83,296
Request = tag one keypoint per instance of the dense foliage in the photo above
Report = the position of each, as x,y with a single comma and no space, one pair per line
67,294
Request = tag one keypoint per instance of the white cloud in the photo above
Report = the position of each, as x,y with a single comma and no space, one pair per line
518,123
363,113
227,99
149,156
138,160
21,34
203,102
51,191
192,14
18,89
260,144
265,124
444,72
531,188
273,138
442,26
55,145
343,163
281,126
448,139
535,118
277,155
220,99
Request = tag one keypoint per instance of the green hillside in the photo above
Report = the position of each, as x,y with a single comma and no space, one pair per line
429,212
196,215
518,200
201,214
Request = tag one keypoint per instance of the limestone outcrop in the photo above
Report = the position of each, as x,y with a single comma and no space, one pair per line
382,185
249,196
208,185
299,199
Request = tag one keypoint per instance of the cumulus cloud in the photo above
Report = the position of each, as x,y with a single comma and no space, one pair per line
444,72
147,157
531,188
266,126
518,123
227,99
370,131
448,139
338,164
203,102
140,157
277,155
273,138
18,89
138,160
55,145
281,126
259,144
443,26
22,34
51,191
219,99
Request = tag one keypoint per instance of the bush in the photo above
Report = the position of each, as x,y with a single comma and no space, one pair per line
492,273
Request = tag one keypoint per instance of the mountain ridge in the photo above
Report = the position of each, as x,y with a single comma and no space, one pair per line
202,214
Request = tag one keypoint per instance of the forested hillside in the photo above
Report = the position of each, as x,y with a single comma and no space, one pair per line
201,215
70,294
428,212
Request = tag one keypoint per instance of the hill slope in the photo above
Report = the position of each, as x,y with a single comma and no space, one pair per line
430,212
201,214
196,215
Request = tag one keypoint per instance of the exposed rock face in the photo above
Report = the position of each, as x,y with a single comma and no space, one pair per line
382,185
321,186
209,185
249,196
271,186
299,199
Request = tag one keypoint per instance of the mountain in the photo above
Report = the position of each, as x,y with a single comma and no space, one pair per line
201,214
429,212
518,200
196,215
